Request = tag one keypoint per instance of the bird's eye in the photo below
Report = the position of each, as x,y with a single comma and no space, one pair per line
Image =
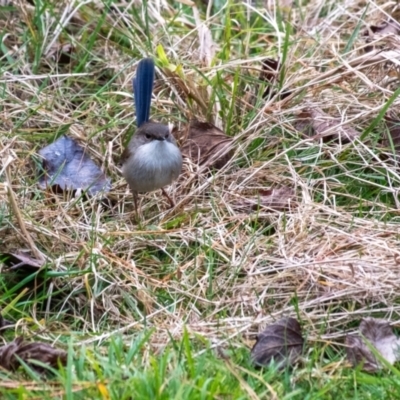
148,136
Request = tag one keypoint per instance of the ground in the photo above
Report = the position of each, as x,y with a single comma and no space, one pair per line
170,307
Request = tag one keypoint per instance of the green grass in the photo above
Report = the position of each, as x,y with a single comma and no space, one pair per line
128,370
170,308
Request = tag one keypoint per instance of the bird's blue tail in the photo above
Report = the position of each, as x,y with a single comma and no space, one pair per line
143,88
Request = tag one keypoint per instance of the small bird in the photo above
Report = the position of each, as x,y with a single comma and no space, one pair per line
152,159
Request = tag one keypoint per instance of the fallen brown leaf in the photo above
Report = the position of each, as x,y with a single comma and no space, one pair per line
380,335
317,124
206,145
30,352
282,342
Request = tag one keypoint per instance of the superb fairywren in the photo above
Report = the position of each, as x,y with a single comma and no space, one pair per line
152,159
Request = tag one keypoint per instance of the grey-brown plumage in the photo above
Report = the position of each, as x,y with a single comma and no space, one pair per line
151,160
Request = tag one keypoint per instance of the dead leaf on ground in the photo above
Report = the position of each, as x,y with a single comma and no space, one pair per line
29,353
392,133
315,123
282,342
380,335
67,166
278,199
21,261
206,145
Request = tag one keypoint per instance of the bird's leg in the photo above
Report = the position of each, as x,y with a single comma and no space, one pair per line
135,200
171,202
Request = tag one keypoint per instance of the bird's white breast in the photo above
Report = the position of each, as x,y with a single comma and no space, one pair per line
152,166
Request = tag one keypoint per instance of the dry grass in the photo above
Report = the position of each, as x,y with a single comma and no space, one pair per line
331,258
